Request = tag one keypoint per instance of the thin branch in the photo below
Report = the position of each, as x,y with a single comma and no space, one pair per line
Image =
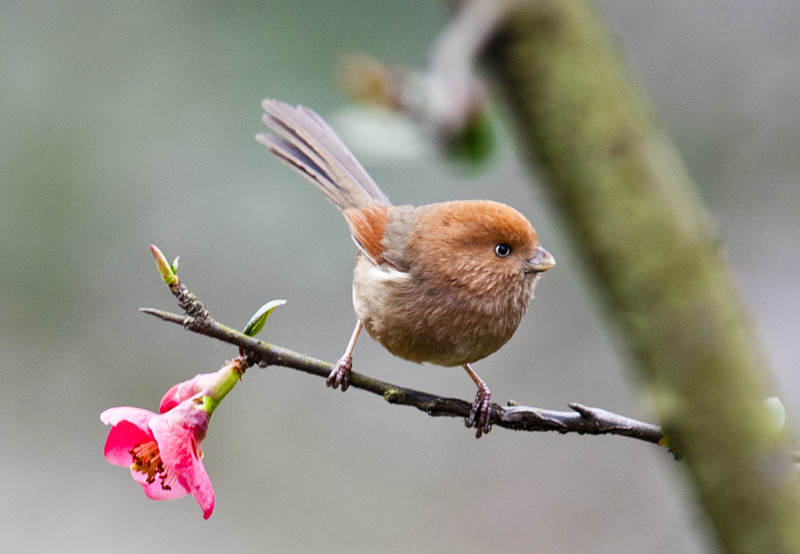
582,420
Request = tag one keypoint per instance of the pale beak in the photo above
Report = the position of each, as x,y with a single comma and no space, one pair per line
542,261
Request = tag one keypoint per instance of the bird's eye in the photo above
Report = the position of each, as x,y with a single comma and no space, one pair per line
502,250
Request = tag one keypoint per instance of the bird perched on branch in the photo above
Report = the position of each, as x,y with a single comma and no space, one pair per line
444,283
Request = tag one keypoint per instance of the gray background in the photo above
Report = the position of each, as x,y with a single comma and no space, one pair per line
123,124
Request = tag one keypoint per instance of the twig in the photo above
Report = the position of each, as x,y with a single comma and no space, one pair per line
582,420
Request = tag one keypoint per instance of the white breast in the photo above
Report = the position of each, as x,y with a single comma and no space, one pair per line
383,284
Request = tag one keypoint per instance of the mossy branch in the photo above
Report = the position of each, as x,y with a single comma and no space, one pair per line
625,196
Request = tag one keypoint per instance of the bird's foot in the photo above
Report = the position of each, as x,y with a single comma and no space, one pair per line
340,375
481,412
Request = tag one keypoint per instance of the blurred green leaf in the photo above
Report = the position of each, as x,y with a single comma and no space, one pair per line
475,143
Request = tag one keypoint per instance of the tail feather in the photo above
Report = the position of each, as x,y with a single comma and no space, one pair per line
307,144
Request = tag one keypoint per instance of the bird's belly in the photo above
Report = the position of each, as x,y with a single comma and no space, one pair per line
415,323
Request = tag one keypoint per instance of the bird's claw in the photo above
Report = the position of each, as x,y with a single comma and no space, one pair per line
481,412
340,375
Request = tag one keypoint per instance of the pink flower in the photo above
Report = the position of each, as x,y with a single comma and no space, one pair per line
163,451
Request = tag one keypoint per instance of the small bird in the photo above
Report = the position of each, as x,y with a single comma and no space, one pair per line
444,283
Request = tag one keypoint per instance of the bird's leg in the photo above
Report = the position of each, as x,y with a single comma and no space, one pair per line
481,411
340,375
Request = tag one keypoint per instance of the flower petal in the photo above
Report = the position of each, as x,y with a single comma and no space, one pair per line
156,490
180,451
138,416
174,442
121,439
130,427
202,490
185,390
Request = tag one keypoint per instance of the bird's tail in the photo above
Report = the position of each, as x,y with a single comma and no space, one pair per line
307,144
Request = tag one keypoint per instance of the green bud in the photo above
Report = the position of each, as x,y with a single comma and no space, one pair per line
256,323
167,271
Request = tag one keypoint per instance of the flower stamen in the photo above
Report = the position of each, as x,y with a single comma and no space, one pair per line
147,461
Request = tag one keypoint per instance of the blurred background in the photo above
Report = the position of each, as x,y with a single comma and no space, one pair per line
129,123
